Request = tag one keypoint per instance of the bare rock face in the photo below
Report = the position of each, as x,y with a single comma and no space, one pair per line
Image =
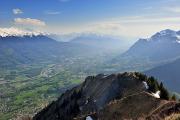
104,97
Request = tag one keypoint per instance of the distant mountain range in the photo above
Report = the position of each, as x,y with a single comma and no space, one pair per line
96,41
7,32
15,50
103,42
28,48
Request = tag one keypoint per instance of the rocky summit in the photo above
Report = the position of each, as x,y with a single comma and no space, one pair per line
112,97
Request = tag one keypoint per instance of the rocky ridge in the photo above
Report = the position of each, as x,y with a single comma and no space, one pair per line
104,97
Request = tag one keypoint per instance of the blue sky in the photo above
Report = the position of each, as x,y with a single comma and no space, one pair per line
130,18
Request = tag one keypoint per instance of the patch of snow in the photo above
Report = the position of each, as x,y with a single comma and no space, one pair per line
167,32
178,36
178,41
163,32
87,101
80,108
146,85
149,39
89,118
157,94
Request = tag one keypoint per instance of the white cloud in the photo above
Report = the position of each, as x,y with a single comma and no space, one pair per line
173,9
17,11
148,8
52,12
64,0
129,27
29,21
134,26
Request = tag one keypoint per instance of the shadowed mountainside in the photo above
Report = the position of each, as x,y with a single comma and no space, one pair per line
168,73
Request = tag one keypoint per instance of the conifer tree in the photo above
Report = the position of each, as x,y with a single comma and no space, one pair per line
173,97
164,93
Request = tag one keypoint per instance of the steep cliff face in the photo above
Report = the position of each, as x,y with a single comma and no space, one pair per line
116,96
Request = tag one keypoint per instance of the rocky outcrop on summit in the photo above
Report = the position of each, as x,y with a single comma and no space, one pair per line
105,97
91,96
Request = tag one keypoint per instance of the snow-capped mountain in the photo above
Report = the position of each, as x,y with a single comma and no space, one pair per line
164,35
160,48
4,32
163,45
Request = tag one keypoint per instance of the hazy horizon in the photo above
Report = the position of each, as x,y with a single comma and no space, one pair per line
125,18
